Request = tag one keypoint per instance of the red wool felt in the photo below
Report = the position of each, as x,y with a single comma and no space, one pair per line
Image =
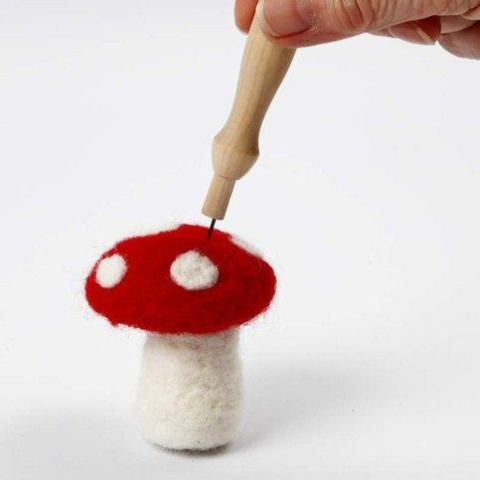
149,299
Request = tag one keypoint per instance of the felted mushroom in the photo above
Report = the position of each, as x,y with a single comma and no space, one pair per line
190,295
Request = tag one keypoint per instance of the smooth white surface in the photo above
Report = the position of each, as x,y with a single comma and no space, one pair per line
190,394
365,200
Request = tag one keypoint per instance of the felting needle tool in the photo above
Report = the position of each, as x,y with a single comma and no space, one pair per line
235,148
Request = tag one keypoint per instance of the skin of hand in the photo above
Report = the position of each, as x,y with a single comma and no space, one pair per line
454,24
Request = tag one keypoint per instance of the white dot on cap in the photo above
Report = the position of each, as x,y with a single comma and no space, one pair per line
110,271
193,271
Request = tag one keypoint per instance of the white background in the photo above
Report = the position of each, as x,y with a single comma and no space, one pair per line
365,200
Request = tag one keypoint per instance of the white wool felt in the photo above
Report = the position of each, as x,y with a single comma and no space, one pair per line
193,271
190,391
110,271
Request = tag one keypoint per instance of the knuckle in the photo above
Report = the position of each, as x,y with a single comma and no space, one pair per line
457,7
354,16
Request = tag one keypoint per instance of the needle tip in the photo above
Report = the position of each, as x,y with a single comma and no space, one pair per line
210,230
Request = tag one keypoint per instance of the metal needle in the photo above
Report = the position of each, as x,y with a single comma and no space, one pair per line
210,230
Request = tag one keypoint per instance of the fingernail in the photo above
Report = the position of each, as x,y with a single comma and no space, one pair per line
411,32
281,18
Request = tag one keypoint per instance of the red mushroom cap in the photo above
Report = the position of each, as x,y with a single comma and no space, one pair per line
225,285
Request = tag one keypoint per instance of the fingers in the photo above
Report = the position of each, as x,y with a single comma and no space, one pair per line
465,44
244,11
473,14
451,24
434,26
422,32
307,22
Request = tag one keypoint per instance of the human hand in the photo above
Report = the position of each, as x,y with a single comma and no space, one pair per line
454,24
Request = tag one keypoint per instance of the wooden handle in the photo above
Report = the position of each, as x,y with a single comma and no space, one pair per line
235,148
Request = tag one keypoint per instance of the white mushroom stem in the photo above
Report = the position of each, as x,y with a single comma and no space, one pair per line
190,391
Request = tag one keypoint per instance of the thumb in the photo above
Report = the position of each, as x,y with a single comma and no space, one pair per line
308,22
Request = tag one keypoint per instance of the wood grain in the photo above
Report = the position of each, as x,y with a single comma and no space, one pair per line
235,148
